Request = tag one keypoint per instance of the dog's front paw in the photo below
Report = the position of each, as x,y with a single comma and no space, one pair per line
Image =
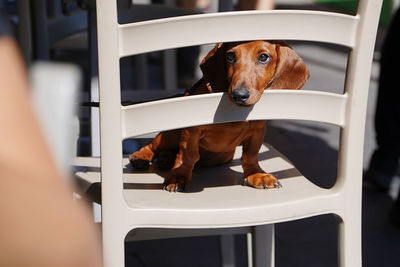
174,187
175,181
139,163
262,181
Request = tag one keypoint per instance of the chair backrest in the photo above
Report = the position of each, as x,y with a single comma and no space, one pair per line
346,110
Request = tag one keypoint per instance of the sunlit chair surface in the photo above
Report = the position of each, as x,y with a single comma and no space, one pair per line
216,198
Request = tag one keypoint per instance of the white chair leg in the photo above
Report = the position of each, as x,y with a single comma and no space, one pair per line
95,118
249,250
113,248
262,244
227,243
349,242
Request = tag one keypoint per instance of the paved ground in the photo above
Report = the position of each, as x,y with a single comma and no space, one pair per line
308,242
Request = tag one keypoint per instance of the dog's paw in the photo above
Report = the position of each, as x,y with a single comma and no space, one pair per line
262,181
138,163
175,181
174,187
141,159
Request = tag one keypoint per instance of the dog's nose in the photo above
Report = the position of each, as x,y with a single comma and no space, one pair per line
240,95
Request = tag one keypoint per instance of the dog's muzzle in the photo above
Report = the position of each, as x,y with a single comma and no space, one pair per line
240,95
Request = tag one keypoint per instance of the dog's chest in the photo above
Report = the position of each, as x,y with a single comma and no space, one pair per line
226,136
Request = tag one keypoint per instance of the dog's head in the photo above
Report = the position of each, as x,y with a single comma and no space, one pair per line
246,69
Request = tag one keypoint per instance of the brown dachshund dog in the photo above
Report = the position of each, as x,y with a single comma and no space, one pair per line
243,70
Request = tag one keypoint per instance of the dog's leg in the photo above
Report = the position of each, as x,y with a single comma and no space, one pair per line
164,141
253,174
141,159
166,159
188,155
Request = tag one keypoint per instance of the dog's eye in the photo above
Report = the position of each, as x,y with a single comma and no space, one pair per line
263,58
230,57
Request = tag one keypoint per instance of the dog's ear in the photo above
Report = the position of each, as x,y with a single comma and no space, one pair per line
214,69
291,71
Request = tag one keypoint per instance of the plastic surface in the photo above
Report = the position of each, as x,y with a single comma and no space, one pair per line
275,104
215,190
217,27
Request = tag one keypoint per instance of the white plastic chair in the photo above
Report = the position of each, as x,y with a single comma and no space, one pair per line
218,202
55,87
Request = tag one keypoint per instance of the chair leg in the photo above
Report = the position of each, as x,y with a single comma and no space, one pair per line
141,71
94,119
262,242
349,242
170,76
227,245
113,248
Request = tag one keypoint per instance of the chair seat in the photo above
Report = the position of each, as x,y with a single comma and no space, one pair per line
217,189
